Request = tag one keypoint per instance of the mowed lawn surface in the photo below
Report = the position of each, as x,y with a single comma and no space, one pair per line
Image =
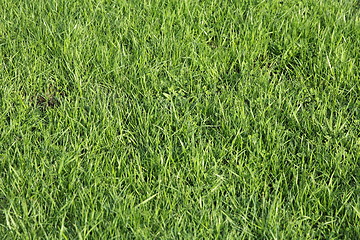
165,119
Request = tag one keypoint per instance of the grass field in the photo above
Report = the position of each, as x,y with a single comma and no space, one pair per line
165,119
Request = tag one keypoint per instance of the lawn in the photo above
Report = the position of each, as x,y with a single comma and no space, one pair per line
165,119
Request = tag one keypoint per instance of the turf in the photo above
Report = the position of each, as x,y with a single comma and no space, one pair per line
164,119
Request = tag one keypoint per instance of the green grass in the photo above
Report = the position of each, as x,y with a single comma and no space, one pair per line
164,119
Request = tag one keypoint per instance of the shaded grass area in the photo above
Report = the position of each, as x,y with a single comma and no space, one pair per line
179,120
